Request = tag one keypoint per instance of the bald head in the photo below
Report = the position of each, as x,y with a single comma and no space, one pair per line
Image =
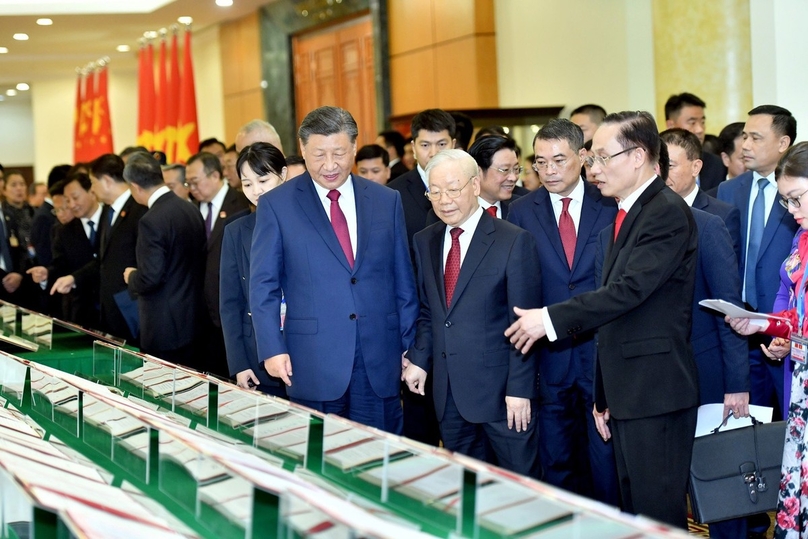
257,131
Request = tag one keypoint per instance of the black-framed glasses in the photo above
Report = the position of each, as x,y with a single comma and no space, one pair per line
602,161
794,202
451,193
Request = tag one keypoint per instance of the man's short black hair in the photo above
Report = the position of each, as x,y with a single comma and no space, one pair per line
58,188
637,128
483,149
57,173
210,142
595,112
783,122
395,139
562,129
432,120
210,163
675,104
373,151
464,129
727,136
295,159
82,178
108,164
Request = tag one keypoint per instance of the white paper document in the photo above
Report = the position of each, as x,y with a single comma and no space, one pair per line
732,310
712,415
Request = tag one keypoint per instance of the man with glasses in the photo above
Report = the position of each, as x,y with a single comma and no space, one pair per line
565,217
217,203
471,274
767,231
646,384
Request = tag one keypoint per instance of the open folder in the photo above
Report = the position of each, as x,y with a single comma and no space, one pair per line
732,310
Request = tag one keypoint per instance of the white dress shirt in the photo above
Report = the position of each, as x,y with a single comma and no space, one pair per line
574,209
95,217
217,202
347,203
160,191
691,198
468,226
118,205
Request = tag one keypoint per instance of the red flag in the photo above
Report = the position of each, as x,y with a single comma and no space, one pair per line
161,100
101,126
145,121
86,118
173,102
77,146
187,132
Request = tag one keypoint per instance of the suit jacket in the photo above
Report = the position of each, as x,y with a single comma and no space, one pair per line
71,252
642,310
727,212
116,252
234,298
416,205
774,246
234,202
713,171
466,343
399,169
534,213
330,307
722,356
41,233
170,255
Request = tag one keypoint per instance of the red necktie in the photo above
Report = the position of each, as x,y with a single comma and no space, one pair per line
618,221
492,211
566,228
452,270
340,225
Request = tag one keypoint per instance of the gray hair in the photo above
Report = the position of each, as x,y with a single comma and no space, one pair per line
328,121
176,166
257,131
467,163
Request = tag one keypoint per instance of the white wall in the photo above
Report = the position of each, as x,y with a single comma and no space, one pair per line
16,132
779,64
555,52
43,132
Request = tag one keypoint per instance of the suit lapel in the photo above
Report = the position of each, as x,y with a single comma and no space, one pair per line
247,234
480,243
311,205
436,257
364,217
742,203
547,220
625,228
416,189
590,210
776,216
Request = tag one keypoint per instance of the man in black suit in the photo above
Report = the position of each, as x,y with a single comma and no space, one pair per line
433,130
687,112
218,202
471,274
170,268
393,142
116,251
646,384
74,245
44,219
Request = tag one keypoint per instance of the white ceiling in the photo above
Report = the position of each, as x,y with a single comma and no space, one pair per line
74,39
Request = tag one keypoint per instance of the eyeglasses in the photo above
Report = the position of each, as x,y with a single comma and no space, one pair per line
517,170
556,164
451,193
602,161
794,202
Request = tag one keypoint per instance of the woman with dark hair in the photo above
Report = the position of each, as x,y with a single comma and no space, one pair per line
261,167
790,335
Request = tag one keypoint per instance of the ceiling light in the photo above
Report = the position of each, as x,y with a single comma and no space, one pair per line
22,86
3,50
151,34
44,22
11,92
185,20
49,8
20,37
224,3
122,48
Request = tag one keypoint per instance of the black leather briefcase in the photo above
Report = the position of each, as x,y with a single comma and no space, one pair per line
736,473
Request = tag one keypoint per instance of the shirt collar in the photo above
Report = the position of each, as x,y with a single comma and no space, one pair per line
770,177
218,200
120,201
470,224
689,199
160,191
577,193
346,190
422,173
632,198
95,217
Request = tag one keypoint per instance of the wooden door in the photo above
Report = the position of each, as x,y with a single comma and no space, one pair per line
334,67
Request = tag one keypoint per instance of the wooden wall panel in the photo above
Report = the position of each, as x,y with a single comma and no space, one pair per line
453,19
477,72
410,25
412,82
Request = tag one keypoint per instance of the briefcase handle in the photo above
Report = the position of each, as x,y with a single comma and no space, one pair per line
724,423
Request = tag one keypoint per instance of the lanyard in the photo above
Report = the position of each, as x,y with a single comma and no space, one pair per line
801,296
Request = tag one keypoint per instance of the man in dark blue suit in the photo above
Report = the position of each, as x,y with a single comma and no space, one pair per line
684,156
335,246
472,271
572,453
766,234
